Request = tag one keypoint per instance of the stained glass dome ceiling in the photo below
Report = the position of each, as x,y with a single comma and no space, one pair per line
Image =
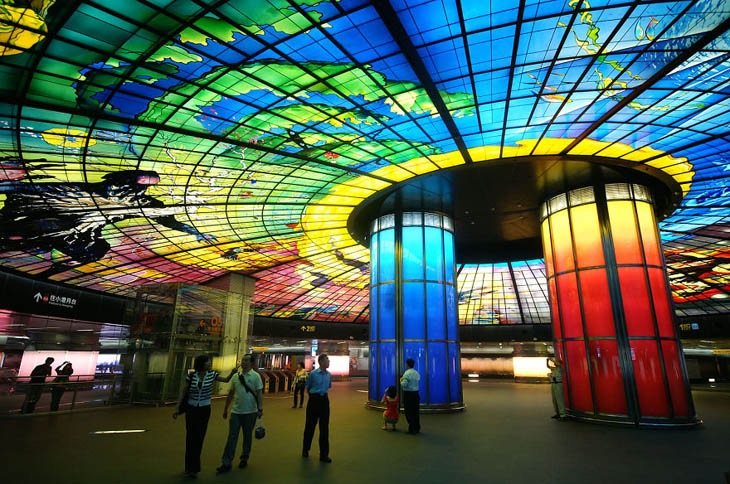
158,141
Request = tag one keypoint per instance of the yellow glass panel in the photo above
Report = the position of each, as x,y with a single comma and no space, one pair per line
563,247
547,248
623,231
587,235
647,225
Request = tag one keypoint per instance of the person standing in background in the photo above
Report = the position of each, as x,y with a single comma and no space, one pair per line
64,371
300,381
556,387
318,409
35,389
411,399
195,404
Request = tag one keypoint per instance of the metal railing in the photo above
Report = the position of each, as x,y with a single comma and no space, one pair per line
112,388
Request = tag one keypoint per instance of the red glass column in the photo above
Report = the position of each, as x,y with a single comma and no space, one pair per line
613,322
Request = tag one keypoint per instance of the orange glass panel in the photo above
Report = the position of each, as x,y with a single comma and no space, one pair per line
647,225
554,309
597,303
587,235
635,298
662,306
624,233
547,247
570,306
563,247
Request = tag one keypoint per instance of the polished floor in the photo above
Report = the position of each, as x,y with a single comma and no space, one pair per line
506,435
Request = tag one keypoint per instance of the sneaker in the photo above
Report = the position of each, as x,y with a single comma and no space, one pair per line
222,469
305,453
325,459
242,464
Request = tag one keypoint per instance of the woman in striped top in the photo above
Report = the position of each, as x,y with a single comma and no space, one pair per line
197,392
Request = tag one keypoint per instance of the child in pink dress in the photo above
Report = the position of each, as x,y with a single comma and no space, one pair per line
391,400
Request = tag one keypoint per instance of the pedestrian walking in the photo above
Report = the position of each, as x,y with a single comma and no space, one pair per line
300,381
248,397
195,404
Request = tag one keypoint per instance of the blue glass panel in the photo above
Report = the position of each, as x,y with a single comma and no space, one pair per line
435,311
417,351
434,254
412,253
373,376
414,324
374,313
449,256
451,326
437,373
386,257
454,377
387,367
386,311
374,259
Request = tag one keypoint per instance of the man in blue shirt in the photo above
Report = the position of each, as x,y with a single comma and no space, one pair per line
318,409
411,399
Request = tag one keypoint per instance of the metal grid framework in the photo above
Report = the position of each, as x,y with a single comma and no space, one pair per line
165,141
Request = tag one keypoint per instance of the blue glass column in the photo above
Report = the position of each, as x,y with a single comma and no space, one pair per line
413,311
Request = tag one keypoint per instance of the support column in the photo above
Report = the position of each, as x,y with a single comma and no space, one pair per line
613,322
413,312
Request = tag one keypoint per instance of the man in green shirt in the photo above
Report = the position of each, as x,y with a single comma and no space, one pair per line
247,389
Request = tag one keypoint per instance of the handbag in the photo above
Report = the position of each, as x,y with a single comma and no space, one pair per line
183,406
260,431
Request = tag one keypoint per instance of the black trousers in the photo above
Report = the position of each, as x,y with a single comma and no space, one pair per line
196,424
411,400
32,395
318,410
299,389
56,394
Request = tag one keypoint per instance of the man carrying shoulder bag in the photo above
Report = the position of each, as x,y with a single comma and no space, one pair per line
247,396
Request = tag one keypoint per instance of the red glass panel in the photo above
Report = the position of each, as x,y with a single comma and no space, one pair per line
624,233
570,306
587,235
554,309
607,380
662,306
596,303
647,226
559,353
562,245
547,248
676,382
579,384
635,297
649,380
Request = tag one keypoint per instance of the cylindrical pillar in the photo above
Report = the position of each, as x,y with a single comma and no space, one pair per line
413,312
613,321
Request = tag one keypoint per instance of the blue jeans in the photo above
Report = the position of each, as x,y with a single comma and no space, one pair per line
247,421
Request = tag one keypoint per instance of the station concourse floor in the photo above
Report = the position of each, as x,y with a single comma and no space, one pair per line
505,435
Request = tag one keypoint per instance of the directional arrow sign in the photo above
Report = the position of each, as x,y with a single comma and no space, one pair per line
38,296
